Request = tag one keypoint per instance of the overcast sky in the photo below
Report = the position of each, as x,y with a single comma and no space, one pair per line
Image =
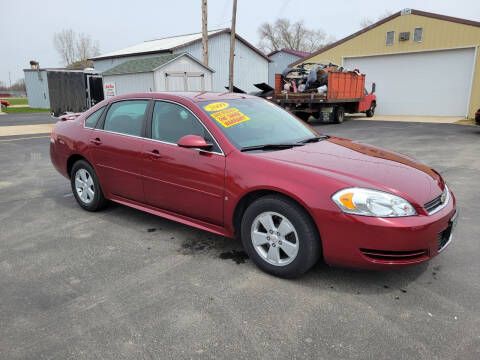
27,27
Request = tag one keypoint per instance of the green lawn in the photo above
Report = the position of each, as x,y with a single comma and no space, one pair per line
10,110
16,101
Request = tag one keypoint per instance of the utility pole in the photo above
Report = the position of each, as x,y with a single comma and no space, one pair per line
232,46
204,33
10,80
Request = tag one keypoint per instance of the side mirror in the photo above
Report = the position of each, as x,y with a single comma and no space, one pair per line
193,141
373,88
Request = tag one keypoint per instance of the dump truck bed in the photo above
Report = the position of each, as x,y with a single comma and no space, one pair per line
342,87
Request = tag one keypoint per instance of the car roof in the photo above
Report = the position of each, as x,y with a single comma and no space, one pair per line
190,95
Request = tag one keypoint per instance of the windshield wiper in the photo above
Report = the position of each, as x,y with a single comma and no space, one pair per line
314,139
270,146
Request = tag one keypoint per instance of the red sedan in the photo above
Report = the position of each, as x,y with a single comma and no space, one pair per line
240,166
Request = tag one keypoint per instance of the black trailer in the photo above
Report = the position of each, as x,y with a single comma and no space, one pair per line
73,90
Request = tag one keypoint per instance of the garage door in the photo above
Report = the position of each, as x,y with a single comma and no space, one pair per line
436,83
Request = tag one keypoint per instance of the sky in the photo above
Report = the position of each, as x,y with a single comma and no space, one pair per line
27,27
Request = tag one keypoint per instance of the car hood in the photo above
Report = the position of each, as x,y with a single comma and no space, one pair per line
357,164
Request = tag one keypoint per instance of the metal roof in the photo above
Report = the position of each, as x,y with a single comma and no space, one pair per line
157,45
170,44
148,64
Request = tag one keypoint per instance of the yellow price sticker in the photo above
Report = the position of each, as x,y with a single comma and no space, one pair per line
216,106
230,117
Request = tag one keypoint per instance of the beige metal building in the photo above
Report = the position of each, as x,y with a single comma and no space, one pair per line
422,63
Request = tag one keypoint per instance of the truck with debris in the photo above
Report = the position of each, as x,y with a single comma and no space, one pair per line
324,91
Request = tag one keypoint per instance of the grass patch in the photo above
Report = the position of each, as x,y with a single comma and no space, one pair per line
10,110
16,101
466,122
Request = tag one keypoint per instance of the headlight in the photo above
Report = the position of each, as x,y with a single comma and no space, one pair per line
366,202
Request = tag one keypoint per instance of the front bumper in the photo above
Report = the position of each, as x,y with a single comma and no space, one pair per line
385,243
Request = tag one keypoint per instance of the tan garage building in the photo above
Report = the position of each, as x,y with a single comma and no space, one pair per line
422,63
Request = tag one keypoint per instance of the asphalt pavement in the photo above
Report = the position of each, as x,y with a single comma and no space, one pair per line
26,119
123,284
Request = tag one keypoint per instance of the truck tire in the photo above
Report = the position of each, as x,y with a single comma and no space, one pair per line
303,115
339,115
370,111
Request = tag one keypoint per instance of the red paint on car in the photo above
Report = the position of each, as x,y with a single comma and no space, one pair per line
208,188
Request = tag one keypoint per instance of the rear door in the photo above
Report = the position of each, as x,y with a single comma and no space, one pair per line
115,147
188,182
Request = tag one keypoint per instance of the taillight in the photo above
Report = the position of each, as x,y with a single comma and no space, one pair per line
52,136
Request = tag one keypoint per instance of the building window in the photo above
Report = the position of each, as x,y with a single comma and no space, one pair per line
390,37
418,34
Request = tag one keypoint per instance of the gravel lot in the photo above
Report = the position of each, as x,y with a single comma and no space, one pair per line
122,284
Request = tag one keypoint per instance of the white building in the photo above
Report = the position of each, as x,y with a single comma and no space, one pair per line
164,72
250,67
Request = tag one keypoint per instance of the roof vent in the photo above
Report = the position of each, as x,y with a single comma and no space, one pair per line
406,11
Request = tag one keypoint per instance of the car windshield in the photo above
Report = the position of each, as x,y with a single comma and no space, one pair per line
256,122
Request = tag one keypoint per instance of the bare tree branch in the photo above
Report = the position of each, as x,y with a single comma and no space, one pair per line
366,21
75,50
296,36
64,42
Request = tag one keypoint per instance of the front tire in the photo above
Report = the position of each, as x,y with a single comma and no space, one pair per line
280,237
85,186
370,111
303,116
339,115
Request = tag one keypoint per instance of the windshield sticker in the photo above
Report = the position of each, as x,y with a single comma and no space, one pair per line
216,106
230,117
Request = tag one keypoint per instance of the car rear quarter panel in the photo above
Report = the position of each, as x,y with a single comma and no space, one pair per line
70,138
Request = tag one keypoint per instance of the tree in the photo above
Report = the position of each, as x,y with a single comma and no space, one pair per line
296,36
366,21
64,42
75,50
19,85
86,47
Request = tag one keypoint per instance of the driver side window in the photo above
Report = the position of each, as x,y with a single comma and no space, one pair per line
170,122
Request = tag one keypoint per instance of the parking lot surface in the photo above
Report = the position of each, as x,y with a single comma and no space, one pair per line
123,284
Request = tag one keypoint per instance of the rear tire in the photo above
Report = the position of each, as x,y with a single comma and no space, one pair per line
288,245
85,187
339,115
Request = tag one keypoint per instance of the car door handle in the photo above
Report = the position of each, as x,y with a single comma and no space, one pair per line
96,141
154,154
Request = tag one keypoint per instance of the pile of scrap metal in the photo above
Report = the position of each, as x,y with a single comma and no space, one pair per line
313,79
266,91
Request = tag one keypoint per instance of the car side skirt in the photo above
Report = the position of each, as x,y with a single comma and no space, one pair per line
173,216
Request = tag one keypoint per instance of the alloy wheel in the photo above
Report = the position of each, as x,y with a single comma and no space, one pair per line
274,238
84,186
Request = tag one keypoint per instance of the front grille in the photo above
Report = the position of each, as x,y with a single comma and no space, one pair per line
432,205
443,237
395,256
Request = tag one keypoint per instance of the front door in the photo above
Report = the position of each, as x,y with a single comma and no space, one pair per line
188,182
115,147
